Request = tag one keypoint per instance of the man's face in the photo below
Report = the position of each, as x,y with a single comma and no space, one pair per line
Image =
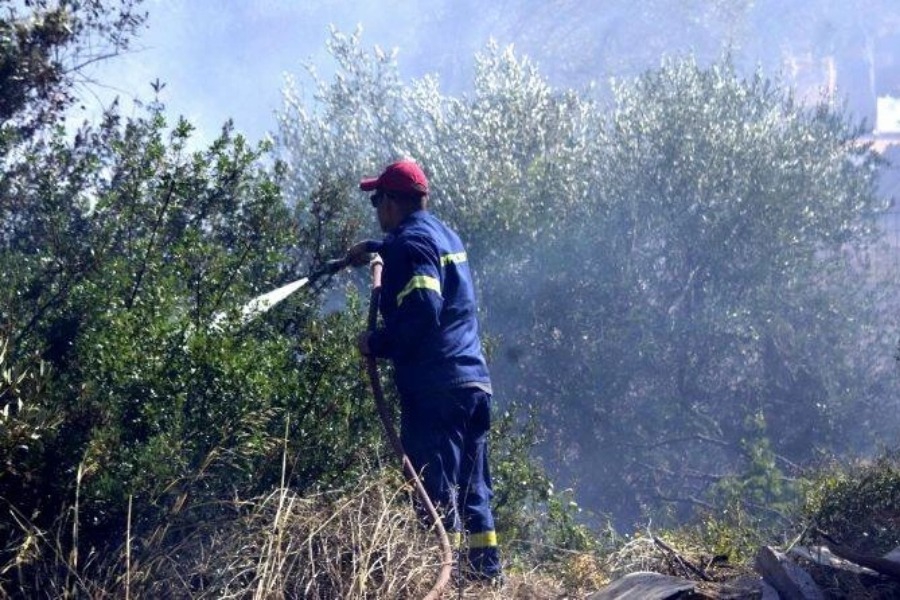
386,209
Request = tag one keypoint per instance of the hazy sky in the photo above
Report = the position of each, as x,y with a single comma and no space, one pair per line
227,58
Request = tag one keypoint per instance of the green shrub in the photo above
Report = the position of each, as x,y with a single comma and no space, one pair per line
857,503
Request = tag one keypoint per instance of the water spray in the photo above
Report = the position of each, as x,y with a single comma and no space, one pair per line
264,302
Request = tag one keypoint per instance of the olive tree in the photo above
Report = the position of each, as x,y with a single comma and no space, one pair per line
720,307
676,282
504,166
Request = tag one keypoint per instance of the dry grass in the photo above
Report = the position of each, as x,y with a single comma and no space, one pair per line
638,554
362,542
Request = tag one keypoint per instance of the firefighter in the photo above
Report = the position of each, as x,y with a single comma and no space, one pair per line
430,333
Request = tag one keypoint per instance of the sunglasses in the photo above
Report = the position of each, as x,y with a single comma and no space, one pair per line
376,198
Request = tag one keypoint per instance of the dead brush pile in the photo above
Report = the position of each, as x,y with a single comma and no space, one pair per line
362,542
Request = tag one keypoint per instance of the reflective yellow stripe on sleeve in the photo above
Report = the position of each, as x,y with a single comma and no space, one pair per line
459,257
419,282
485,539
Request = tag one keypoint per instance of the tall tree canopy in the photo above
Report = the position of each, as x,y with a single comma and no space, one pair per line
676,282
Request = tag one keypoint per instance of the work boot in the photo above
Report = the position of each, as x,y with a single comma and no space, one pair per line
480,569
494,582
482,564
497,582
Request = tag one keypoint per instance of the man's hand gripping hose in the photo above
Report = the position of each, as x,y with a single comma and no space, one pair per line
375,381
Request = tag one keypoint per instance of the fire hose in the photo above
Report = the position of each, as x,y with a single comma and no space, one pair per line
385,414
266,301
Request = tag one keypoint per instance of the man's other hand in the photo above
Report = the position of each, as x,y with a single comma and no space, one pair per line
358,254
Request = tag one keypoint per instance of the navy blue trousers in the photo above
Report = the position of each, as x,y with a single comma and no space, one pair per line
444,434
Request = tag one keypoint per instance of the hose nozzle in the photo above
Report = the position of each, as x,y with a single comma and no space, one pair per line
331,267
337,264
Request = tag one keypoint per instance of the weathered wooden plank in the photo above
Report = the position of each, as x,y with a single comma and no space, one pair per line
884,566
822,555
789,579
768,592
644,585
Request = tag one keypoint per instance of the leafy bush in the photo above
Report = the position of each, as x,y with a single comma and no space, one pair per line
27,427
857,503
136,407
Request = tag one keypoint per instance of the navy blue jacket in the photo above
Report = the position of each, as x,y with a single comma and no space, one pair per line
427,304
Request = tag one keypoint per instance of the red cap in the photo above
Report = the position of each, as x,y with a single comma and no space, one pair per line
403,176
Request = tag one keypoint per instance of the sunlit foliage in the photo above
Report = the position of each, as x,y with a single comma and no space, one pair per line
119,403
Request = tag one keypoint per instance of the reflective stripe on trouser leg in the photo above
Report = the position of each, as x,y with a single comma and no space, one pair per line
476,489
485,539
